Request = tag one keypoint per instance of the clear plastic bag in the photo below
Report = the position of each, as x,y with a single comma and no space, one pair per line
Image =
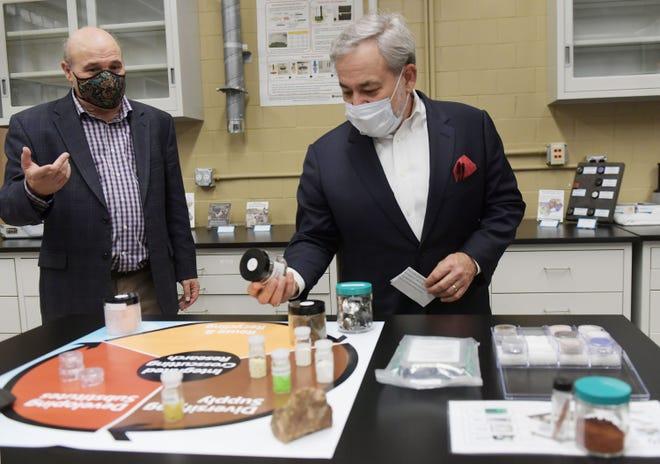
433,362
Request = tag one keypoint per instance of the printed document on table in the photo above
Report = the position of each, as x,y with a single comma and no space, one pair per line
411,283
523,427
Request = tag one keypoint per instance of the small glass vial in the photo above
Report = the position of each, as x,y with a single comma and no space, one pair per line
562,395
172,395
257,266
281,371
303,346
92,377
325,361
257,363
601,415
71,365
354,306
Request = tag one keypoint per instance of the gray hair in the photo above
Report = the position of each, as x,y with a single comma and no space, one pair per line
393,38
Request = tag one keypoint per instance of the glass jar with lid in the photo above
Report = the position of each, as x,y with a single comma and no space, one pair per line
354,306
309,313
601,414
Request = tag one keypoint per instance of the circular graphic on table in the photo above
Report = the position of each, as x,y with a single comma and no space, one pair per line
217,388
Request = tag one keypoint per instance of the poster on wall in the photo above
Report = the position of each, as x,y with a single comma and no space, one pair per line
294,46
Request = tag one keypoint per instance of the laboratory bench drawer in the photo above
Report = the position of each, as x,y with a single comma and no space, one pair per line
557,303
239,304
559,271
655,258
7,278
236,285
10,319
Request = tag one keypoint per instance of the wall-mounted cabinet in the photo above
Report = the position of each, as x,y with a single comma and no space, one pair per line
159,41
603,49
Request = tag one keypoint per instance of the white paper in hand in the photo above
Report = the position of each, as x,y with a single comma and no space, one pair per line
411,283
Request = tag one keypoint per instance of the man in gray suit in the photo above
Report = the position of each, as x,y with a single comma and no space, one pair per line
102,172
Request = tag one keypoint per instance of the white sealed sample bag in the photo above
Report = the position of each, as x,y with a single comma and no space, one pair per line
422,362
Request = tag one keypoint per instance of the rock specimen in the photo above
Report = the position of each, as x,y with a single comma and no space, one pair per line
306,411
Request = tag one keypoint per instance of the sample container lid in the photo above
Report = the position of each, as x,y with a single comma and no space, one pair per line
353,288
602,390
124,298
255,265
306,308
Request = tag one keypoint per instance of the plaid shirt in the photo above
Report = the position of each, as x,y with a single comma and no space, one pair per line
111,146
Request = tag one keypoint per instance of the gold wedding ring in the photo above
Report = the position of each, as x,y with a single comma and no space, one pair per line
454,287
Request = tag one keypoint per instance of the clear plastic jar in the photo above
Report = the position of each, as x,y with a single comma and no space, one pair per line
257,266
123,314
601,415
354,306
308,313
324,361
257,351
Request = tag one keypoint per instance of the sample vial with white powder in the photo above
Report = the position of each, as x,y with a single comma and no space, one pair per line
303,346
325,361
257,363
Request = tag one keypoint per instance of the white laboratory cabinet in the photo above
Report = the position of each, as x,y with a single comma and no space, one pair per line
563,279
159,40
646,307
223,290
603,49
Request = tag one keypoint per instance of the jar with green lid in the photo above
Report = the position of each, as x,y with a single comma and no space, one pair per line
354,306
601,414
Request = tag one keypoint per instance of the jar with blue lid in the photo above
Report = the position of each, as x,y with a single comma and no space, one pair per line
354,306
601,413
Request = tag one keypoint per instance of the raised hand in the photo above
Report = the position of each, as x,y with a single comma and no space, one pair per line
48,179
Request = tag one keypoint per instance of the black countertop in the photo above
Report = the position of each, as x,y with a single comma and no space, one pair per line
242,237
387,424
645,232
528,233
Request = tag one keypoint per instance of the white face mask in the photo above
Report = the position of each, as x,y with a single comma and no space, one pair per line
376,119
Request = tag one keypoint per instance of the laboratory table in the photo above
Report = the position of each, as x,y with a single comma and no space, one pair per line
387,424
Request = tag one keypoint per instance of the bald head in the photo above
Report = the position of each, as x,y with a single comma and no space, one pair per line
89,51
90,41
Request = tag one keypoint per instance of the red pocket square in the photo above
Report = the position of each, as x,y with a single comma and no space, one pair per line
463,168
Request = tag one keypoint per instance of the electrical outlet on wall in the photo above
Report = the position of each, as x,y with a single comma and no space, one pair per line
204,177
556,154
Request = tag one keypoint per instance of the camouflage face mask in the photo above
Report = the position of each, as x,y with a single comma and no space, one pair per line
104,89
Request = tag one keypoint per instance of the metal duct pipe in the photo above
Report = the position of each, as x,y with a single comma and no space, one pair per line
234,87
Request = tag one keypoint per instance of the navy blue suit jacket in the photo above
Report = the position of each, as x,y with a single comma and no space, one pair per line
75,254
346,206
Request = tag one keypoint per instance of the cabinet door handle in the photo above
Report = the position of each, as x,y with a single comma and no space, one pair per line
172,76
557,311
557,269
197,311
4,87
567,55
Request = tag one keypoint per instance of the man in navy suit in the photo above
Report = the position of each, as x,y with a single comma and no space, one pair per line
406,182
102,172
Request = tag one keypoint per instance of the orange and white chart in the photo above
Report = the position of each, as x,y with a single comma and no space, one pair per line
226,412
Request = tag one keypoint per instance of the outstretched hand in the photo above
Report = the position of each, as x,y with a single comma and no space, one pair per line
48,179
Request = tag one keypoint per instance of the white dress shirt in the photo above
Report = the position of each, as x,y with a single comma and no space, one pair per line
405,159
404,156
